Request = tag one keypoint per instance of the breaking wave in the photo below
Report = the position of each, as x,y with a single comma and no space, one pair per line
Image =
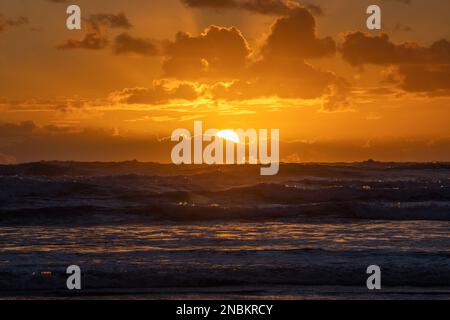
99,192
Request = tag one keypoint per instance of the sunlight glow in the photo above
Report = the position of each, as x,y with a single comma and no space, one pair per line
229,135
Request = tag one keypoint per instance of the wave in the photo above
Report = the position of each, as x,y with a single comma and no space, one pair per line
89,192
92,215
210,268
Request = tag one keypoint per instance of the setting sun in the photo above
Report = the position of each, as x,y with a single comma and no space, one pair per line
229,135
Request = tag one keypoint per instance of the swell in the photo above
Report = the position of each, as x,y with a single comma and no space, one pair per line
90,193
212,269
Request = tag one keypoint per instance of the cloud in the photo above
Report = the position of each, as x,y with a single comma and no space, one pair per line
360,48
96,37
59,104
70,105
125,43
91,40
5,23
432,80
295,36
268,7
218,52
161,92
110,20
220,57
416,68
15,130
221,61
408,2
282,69
80,145
402,28
210,3
278,7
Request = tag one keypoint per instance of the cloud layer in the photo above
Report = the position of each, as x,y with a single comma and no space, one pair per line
417,69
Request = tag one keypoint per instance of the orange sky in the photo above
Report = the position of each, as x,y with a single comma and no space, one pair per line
140,69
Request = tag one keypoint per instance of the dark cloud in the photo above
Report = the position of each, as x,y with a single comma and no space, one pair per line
283,70
432,80
159,93
96,36
408,2
110,20
68,105
417,68
5,23
210,3
270,7
294,36
218,52
91,40
82,145
360,48
125,44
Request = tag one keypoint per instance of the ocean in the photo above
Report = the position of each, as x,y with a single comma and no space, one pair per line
153,231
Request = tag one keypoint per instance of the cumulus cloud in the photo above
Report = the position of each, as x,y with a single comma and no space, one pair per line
221,60
295,36
217,52
282,69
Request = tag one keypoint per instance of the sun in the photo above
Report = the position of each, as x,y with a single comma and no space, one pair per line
229,135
